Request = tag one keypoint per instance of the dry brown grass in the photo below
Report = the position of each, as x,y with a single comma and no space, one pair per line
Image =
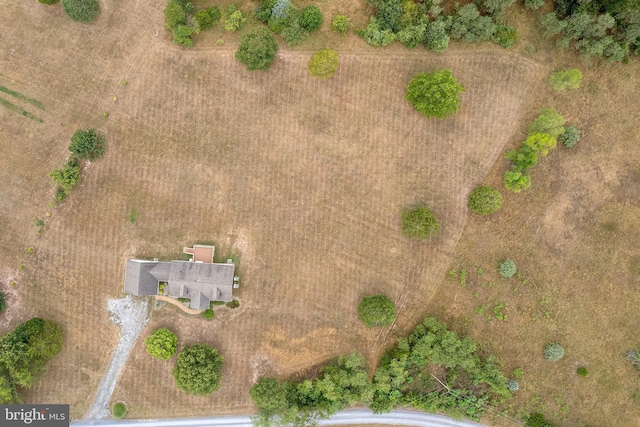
305,180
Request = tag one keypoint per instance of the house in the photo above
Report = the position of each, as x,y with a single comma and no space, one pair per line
199,279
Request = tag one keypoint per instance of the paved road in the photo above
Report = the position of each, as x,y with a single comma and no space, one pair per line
353,416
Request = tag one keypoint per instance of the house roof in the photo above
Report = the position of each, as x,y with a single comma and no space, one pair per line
138,278
200,282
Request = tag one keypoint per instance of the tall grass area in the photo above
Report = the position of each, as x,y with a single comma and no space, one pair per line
20,110
22,97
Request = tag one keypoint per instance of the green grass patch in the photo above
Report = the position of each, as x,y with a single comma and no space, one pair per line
133,216
20,110
18,95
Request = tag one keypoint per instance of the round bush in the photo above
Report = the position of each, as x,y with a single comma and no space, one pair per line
162,343
513,385
582,371
435,94
570,137
87,144
198,369
420,223
119,410
507,268
310,18
341,24
485,200
233,304
257,49
377,310
207,314
553,352
81,10
324,64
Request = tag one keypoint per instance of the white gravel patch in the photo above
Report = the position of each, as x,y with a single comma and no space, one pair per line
131,315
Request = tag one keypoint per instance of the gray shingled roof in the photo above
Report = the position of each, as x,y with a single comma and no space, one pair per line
214,281
138,278
161,271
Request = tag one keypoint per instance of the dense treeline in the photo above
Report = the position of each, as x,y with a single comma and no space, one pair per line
434,370
24,353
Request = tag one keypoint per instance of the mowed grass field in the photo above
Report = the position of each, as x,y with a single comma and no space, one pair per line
304,180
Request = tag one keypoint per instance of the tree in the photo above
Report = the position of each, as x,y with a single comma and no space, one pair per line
570,137
197,370
567,79
269,396
517,181
507,268
549,121
183,35
533,4
162,344
324,64
523,158
310,18
234,21
87,144
81,10
118,410
257,49
435,94
505,36
377,310
412,35
553,352
341,24
389,14
281,9
3,304
206,18
376,36
485,200
436,36
542,143
174,14
419,222
66,177
494,7
537,420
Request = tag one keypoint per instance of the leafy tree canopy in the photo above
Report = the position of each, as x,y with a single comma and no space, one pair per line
541,143
162,343
198,369
420,223
435,94
81,10
485,200
257,49
549,121
324,64
87,144
377,310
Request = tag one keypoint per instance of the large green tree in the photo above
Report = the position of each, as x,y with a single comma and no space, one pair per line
435,94
419,222
257,49
198,369
377,310
87,144
81,10
269,396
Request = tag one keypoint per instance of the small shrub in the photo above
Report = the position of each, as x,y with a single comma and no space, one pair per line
513,385
570,137
553,352
518,373
633,356
162,344
310,18
87,144
206,18
507,268
324,64
420,223
234,21
66,177
29,250
341,24
233,304
582,371
81,10
118,410
48,1
294,34
3,304
505,36
257,49
377,310
516,181
435,94
39,224
568,79
537,420
207,314
281,9
533,4
485,200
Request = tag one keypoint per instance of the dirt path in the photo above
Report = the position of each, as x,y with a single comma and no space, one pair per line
178,304
131,315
